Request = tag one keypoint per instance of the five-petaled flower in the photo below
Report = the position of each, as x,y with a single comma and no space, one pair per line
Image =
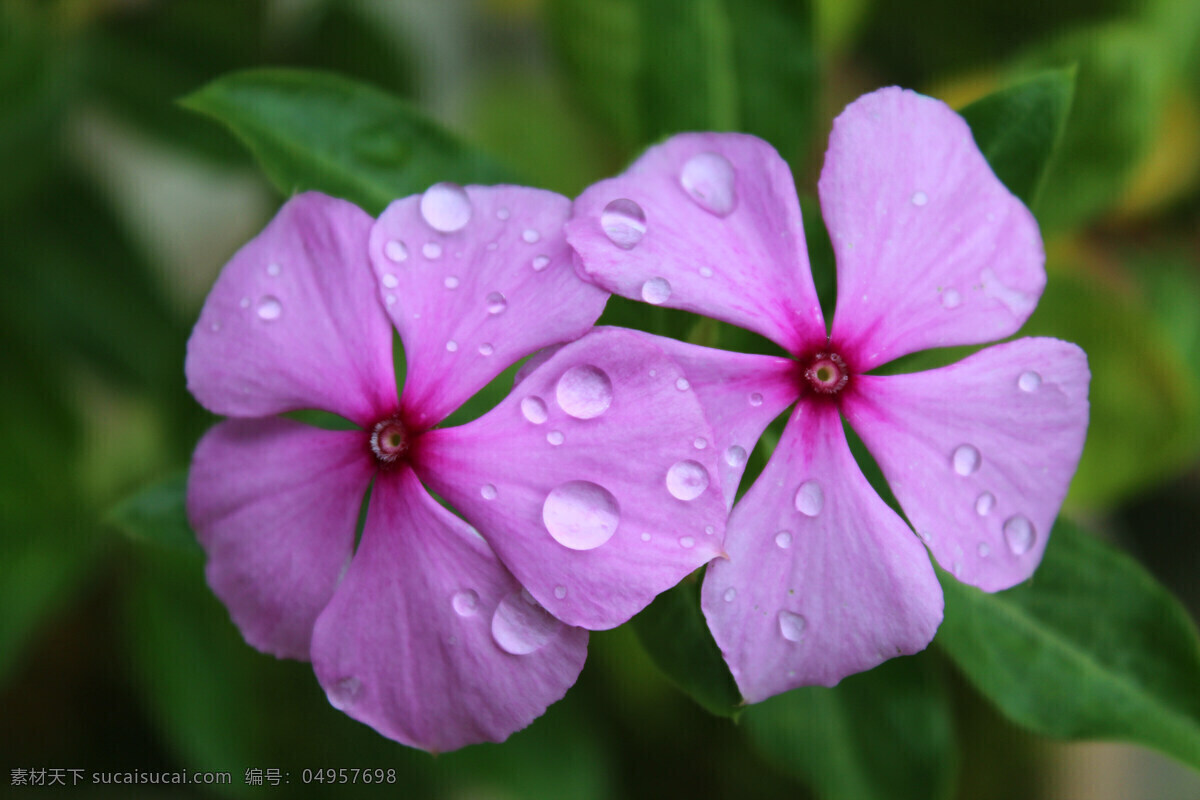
586,486
823,578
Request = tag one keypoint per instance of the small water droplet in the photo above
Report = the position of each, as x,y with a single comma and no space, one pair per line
216,326
920,199
729,595
710,530
531,236
390,299
984,550
269,308
273,269
390,281
1029,381
783,540
395,250
560,592
496,304
580,515
645,537
488,492
687,542
700,443
540,263
452,346
445,207
465,603
756,399
708,178
966,459
344,693
520,626
985,503
735,456
706,272
624,223
682,384
656,291
951,298
451,282
486,349
810,498
502,213
687,480
555,438
431,250
1019,533
534,409
791,626
244,302
926,536
584,391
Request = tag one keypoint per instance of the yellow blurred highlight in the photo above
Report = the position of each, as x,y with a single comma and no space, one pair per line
1172,165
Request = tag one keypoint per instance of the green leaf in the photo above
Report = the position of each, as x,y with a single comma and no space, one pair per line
648,69
886,734
1091,648
1018,128
157,513
313,130
673,631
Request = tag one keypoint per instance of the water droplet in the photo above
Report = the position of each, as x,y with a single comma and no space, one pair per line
735,456
682,384
534,409
244,302
966,459
951,298
580,514
269,308
452,346
756,399
920,199
540,263
783,540
390,281
1019,533
344,693
729,595
496,303
810,498
465,603
520,626
451,282
706,272
390,299
709,179
792,626
645,537
560,592
656,291
687,480
985,503
446,207
1029,381
584,391
555,438
272,269
710,530
926,536
984,550
216,326
502,213
488,492
431,250
687,542
624,223
395,250
530,235
486,349
700,443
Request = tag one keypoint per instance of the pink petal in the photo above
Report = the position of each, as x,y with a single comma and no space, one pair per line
429,640
586,480
470,302
980,453
932,249
721,235
274,504
293,321
823,579
741,394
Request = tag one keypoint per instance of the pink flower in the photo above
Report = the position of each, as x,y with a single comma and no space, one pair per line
823,578
433,634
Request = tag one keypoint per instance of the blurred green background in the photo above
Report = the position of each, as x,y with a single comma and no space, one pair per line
118,207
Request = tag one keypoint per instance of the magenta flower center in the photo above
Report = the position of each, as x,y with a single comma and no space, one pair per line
826,373
389,441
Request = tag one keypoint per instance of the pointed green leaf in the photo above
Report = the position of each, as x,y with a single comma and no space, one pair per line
157,513
1091,648
314,130
886,734
1018,128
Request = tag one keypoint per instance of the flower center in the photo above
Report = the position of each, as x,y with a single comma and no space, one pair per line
389,441
826,373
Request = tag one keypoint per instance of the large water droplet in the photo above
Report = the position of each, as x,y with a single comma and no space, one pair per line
452,346
709,179
584,391
1019,533
792,626
496,303
465,603
580,515
446,207
624,223
756,399
488,492
985,503
269,308
951,298
920,199
344,693
520,626
534,409
783,540
486,349
682,384
687,480
656,291
966,459
810,498
1029,381
735,456
395,250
